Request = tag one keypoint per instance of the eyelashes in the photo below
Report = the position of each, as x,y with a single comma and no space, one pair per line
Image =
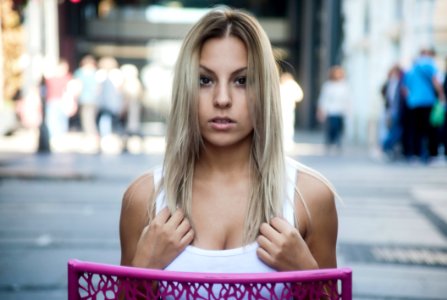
242,80
204,80
208,81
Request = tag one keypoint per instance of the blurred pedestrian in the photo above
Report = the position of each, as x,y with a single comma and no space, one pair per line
85,75
423,91
291,94
443,135
132,90
333,106
393,93
60,105
43,144
226,192
110,100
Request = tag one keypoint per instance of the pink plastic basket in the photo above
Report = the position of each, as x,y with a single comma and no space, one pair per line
88,280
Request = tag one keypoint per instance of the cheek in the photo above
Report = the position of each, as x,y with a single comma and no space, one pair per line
205,97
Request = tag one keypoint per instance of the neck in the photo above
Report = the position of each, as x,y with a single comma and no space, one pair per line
229,160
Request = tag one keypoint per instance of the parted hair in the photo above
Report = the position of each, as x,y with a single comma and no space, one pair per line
183,138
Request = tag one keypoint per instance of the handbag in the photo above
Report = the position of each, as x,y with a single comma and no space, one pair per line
437,114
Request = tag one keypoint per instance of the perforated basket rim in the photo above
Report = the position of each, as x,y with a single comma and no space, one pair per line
76,266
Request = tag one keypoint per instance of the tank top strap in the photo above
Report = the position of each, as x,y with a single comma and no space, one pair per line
160,202
289,202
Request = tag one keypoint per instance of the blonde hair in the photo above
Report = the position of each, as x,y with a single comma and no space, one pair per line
183,138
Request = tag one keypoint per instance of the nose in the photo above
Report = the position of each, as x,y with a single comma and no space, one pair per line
222,97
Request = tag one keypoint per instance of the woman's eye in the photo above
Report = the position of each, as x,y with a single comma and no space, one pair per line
204,80
241,80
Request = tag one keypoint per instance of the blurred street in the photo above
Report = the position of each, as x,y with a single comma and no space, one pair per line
392,217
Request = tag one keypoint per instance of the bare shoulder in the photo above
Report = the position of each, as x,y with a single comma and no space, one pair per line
316,190
317,210
137,194
135,208
313,187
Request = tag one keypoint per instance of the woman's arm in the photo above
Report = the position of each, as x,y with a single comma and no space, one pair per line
313,244
150,242
322,225
134,215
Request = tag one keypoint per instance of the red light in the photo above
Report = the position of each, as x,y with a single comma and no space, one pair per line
75,1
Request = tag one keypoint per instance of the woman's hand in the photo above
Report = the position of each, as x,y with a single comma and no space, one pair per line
162,240
282,247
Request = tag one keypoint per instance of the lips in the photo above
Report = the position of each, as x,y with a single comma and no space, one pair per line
222,123
220,120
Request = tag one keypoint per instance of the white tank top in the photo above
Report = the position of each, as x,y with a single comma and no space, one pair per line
236,260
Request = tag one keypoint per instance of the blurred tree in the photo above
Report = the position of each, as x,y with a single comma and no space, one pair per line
12,41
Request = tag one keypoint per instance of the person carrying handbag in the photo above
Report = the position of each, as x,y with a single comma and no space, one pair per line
423,92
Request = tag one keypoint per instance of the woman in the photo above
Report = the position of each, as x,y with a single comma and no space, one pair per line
226,198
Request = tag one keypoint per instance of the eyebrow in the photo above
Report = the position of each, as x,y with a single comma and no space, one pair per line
240,70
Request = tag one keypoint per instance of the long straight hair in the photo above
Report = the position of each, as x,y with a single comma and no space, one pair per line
184,141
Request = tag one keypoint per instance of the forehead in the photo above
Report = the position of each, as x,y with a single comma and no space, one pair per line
228,51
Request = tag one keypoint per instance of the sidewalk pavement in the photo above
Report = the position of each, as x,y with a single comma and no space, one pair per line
392,217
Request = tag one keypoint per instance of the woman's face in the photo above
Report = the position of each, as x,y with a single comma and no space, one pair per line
224,116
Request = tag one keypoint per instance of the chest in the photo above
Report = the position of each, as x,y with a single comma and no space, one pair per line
218,213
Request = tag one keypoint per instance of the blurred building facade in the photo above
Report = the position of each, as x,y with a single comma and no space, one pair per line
364,36
377,35
306,35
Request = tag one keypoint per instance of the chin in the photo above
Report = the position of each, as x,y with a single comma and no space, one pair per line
226,142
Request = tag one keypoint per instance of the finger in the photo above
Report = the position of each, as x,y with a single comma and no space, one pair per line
163,215
265,243
270,233
280,225
183,227
264,256
176,218
187,238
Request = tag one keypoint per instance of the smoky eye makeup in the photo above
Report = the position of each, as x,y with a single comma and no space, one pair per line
241,80
204,80
207,77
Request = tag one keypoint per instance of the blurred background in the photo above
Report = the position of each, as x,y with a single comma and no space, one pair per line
84,95
366,37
